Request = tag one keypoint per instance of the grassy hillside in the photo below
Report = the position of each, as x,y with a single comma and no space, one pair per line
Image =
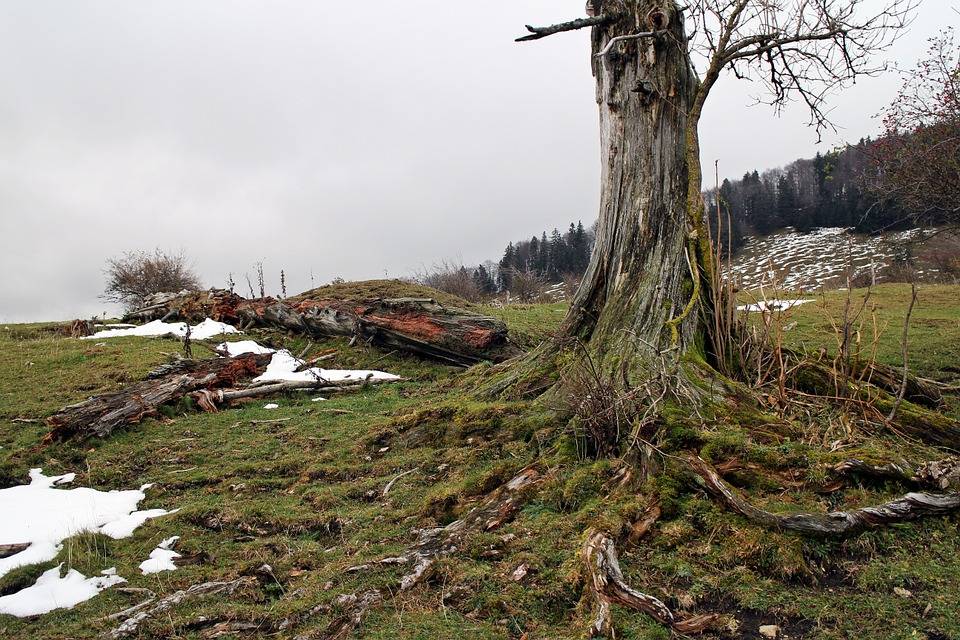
303,494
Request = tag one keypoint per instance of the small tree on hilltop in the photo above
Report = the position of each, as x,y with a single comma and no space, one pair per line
917,161
138,274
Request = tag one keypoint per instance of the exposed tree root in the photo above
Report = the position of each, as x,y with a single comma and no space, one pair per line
912,506
141,613
875,387
355,608
939,474
496,510
609,587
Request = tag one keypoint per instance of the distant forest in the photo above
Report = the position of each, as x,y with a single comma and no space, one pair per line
832,189
550,258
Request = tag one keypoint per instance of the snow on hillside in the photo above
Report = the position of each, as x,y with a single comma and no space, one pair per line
819,258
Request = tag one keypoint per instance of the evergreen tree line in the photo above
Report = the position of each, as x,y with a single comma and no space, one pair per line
833,189
550,258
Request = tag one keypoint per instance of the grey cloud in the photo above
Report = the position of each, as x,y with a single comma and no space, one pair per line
346,139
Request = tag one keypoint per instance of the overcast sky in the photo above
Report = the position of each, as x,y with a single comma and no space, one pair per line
348,139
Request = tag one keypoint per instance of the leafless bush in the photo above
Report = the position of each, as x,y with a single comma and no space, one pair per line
571,282
901,272
944,256
138,274
602,412
526,285
452,278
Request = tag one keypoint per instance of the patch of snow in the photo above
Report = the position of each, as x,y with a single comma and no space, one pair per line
44,516
161,558
772,305
210,328
51,591
272,405
125,526
206,329
243,346
317,399
283,367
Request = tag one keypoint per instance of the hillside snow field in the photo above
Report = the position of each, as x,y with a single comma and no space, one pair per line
822,258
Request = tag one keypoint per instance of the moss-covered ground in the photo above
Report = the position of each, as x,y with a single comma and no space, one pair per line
303,494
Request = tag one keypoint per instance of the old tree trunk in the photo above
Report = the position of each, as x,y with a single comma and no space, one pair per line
644,290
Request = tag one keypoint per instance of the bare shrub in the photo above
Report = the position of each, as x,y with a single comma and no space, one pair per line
571,282
602,412
452,278
526,285
138,274
944,256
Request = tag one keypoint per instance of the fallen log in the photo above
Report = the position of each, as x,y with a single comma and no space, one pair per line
100,415
911,506
208,399
421,326
7,550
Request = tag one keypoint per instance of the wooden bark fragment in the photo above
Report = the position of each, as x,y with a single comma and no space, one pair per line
355,607
7,550
420,326
101,415
911,506
609,587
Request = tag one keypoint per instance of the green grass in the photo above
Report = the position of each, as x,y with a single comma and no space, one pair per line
934,326
303,495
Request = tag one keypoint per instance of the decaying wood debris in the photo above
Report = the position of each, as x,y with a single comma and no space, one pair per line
100,415
420,326
911,506
938,474
209,382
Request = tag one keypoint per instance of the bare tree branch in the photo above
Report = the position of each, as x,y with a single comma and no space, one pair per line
573,25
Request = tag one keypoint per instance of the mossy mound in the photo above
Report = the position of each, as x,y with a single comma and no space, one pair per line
374,289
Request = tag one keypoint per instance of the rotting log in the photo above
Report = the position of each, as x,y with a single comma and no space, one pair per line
101,415
420,326
606,582
911,506
7,550
209,399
